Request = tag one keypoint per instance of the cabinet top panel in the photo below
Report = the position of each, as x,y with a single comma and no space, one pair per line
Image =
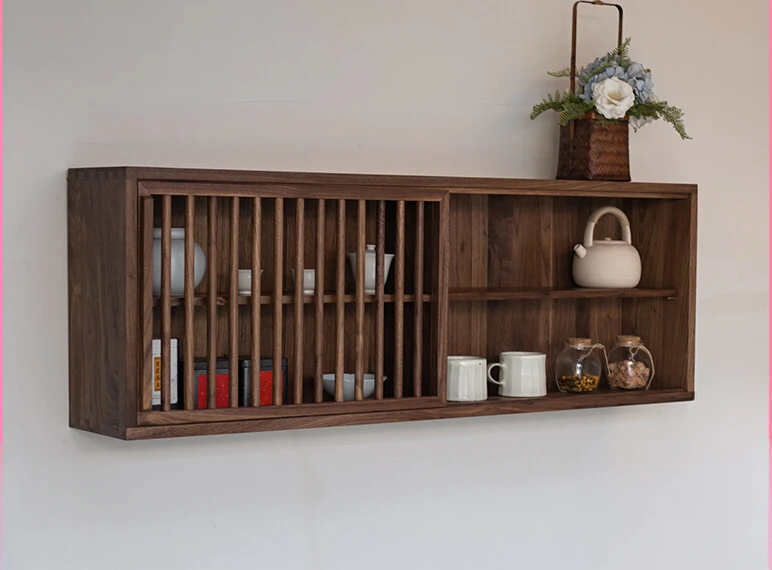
456,185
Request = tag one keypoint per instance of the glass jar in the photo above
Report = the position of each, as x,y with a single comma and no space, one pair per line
630,364
578,367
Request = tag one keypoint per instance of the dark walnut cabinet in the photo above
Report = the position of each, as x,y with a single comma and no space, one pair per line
480,266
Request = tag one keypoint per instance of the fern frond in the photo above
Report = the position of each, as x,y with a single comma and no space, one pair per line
661,110
622,51
551,103
674,116
573,109
565,72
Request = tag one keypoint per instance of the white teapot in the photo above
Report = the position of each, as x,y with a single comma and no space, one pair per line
607,264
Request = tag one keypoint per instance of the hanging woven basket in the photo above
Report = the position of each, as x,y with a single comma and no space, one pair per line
591,149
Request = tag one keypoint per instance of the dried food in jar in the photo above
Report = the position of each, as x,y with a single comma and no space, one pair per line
631,366
578,366
628,375
578,383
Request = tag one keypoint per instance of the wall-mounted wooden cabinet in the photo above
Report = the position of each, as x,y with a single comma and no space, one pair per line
466,266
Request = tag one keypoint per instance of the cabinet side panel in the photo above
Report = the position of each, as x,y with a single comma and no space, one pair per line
691,292
99,334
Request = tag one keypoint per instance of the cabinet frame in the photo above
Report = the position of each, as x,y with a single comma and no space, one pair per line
108,313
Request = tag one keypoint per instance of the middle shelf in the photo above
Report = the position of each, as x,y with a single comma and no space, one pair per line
458,294
535,293
286,299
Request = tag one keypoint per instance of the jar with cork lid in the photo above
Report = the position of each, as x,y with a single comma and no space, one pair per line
578,366
631,366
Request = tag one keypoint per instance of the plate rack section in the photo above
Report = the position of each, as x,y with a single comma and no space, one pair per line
366,333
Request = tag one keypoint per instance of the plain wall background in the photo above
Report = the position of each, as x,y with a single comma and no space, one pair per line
410,87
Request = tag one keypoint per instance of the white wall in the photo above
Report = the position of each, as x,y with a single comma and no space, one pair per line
409,86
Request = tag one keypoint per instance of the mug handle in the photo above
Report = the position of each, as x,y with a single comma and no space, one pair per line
491,367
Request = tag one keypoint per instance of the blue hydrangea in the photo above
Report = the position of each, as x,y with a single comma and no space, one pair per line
634,74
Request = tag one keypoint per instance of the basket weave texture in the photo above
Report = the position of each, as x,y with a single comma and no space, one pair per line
597,151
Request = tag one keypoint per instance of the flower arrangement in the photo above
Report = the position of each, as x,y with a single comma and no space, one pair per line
614,87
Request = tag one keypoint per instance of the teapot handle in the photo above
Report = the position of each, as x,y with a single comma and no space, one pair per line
597,215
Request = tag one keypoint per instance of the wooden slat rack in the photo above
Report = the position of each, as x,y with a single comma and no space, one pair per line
407,270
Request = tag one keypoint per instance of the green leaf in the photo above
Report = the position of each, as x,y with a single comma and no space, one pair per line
661,110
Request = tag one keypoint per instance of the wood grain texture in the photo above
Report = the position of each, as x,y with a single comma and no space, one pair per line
665,325
492,256
399,299
287,299
440,297
319,303
380,251
166,302
468,272
105,351
299,279
524,293
287,191
211,315
418,306
155,418
462,185
359,343
255,314
187,351
552,403
278,274
339,308
146,307
233,314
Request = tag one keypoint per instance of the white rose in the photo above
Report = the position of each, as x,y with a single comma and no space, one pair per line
613,97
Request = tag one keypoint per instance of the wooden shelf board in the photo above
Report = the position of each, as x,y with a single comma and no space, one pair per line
506,294
222,299
306,184
493,406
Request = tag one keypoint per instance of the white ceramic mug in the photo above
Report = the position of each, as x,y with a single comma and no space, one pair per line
245,281
523,374
309,280
466,379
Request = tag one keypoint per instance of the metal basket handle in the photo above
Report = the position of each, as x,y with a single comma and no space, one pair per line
573,33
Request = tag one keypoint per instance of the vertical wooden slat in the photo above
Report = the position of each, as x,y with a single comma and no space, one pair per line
380,246
299,280
319,303
190,205
339,307
360,303
211,313
148,376
399,300
441,298
233,301
418,319
256,287
166,302
278,237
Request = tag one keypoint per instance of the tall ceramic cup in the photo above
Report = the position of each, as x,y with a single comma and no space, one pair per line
466,379
523,374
